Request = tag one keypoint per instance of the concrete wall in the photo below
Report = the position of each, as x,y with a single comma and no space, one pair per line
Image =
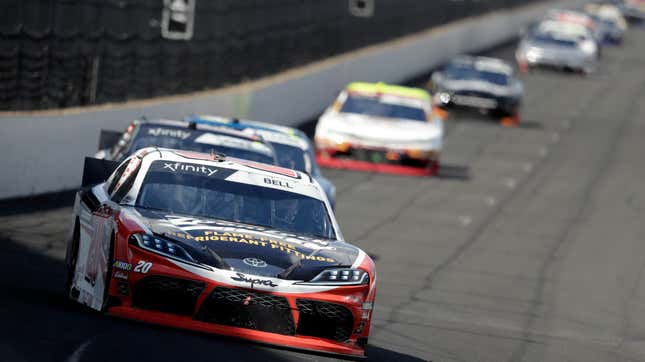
43,151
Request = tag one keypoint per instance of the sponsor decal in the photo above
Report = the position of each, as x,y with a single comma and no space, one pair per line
255,262
121,275
190,167
253,281
276,182
261,242
270,168
192,223
122,265
166,132
143,266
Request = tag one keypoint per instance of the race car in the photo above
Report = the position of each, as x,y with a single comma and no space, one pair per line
481,83
383,128
292,146
185,136
632,10
218,245
611,19
559,45
581,19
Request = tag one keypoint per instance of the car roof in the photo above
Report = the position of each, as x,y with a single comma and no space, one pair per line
200,127
395,90
219,160
484,63
269,132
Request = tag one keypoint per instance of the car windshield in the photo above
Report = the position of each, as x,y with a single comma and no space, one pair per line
205,142
463,72
291,157
550,39
189,191
377,107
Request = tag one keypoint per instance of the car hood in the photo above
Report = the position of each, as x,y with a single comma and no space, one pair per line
387,130
249,249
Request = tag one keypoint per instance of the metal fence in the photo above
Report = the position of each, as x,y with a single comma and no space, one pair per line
62,53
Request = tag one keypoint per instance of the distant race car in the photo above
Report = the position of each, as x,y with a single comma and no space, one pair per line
560,45
381,128
572,17
185,136
218,245
610,19
292,146
481,83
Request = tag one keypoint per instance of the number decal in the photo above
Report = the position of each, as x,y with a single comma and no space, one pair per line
143,266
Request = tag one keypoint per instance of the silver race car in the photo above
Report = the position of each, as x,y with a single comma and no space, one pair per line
560,45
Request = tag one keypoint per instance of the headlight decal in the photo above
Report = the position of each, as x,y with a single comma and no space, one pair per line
165,247
341,276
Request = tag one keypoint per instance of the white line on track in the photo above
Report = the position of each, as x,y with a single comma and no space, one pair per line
465,221
555,137
510,182
78,352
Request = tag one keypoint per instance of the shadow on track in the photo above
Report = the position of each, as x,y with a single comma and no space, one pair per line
454,172
30,204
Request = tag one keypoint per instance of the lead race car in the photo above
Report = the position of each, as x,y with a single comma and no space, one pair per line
381,128
219,245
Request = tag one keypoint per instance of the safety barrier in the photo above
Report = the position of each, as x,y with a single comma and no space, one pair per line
43,151
62,53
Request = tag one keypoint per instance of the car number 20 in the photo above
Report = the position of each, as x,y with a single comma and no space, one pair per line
143,266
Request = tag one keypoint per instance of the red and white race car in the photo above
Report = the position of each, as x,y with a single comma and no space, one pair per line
219,245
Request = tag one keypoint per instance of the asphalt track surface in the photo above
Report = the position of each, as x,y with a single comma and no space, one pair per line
529,245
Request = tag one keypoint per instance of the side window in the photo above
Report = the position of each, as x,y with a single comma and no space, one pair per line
116,176
121,184
121,147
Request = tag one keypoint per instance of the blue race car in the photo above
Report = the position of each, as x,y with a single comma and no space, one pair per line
292,147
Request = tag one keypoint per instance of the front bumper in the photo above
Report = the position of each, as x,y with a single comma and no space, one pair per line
525,60
332,321
379,160
476,100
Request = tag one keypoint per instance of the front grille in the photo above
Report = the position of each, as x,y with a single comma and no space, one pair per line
247,309
324,320
474,93
379,156
167,294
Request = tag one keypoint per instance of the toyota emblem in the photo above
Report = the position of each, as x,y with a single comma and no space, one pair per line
256,263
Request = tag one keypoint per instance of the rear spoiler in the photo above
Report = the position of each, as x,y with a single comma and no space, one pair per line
107,138
97,170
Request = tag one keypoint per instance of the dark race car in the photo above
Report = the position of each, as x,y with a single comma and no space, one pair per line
184,135
480,83
219,245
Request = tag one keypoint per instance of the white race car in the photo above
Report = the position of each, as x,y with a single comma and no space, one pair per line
381,128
